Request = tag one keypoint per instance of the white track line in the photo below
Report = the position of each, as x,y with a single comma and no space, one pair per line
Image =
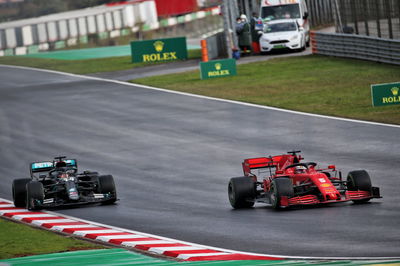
188,256
40,222
116,237
204,97
163,249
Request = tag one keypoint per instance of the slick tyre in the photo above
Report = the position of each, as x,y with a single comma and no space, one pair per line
19,192
280,187
241,192
34,195
359,180
107,186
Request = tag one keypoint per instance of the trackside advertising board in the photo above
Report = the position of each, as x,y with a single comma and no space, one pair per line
168,49
217,68
385,94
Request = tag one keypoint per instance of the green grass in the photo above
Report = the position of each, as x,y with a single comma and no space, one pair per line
17,240
82,66
314,84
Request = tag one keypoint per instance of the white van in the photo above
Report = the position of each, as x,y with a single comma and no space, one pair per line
287,9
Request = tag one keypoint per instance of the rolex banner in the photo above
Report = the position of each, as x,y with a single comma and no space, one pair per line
217,68
168,49
385,94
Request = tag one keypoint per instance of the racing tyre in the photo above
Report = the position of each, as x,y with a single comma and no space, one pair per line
19,192
34,195
242,192
359,180
107,186
280,187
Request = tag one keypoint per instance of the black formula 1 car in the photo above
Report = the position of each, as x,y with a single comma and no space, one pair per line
57,183
284,181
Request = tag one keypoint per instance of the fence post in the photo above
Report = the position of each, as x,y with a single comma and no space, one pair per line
389,17
378,17
366,17
338,17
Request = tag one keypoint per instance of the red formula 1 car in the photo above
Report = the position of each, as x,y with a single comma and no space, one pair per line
284,181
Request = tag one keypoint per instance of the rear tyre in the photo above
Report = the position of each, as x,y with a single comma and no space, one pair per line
34,195
19,192
242,192
359,180
280,187
107,186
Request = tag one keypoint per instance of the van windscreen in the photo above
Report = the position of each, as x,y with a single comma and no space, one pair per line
281,12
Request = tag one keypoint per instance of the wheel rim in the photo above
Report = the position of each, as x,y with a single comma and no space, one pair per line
273,196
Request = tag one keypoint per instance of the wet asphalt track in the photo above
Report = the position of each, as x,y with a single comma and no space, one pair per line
172,156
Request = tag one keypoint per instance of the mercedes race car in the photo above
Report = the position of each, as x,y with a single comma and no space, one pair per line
284,181
57,183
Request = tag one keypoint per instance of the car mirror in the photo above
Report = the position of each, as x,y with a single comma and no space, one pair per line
301,29
333,167
42,176
260,32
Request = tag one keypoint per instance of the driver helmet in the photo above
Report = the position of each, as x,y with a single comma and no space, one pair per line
300,169
61,164
60,168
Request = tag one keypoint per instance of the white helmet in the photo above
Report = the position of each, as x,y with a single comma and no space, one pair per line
243,16
300,169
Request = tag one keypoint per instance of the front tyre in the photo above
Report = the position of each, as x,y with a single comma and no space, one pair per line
107,186
359,180
34,195
280,187
19,192
241,192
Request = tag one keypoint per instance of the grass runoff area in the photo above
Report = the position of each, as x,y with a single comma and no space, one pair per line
84,66
17,240
314,84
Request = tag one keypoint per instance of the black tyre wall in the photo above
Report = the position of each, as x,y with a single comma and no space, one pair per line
107,185
281,187
241,192
35,192
19,192
359,180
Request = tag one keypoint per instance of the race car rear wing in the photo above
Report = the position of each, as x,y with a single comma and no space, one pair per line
256,163
278,162
47,166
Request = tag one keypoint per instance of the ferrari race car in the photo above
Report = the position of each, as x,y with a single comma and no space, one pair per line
283,181
56,183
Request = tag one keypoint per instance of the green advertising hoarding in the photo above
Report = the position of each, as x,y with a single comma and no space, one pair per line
168,49
217,68
385,94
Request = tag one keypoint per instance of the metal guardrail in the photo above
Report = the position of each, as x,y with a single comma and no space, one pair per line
216,44
355,46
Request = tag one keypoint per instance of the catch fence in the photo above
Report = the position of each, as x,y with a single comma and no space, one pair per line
378,18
